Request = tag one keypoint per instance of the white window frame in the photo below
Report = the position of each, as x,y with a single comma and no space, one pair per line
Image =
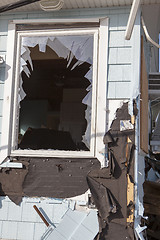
99,89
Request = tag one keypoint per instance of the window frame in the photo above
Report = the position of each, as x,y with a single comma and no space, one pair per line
99,91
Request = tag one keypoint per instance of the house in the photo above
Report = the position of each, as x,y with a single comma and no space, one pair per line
76,126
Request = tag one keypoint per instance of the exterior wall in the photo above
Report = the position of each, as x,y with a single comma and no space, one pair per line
120,78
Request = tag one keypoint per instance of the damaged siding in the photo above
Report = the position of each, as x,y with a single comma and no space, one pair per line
119,82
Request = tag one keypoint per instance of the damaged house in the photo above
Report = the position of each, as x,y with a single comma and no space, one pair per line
79,119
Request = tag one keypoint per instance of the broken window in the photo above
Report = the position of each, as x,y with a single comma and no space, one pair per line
55,92
57,88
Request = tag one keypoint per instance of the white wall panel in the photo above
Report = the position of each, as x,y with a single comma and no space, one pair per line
9,230
117,39
1,106
118,90
14,212
124,55
1,90
118,73
4,210
28,213
122,90
39,230
120,56
25,231
1,222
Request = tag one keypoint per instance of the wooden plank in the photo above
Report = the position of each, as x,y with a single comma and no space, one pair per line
130,198
130,185
143,103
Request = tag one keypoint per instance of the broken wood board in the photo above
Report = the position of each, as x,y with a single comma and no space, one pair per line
130,199
130,185
143,103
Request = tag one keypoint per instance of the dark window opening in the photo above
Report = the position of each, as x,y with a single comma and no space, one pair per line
52,115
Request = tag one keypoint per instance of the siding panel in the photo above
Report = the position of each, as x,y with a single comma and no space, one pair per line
1,222
4,211
3,43
25,231
1,90
122,90
111,90
113,55
28,213
9,230
120,56
119,73
39,230
124,56
119,90
14,212
1,106
117,39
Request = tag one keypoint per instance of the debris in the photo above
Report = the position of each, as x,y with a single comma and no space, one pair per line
108,138
112,187
139,231
41,215
11,182
103,198
126,125
60,168
74,225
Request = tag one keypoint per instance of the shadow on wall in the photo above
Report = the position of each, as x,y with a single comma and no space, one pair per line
5,74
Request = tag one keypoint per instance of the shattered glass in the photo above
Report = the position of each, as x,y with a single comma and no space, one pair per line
67,47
